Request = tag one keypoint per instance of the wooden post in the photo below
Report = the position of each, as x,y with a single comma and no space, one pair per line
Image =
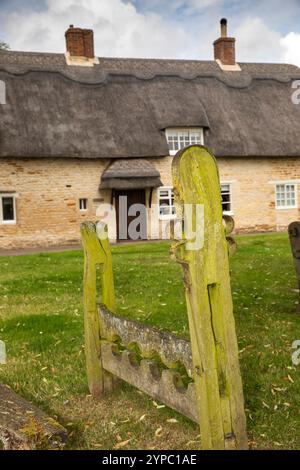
96,252
209,302
294,234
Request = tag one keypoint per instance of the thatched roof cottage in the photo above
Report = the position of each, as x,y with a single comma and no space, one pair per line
78,132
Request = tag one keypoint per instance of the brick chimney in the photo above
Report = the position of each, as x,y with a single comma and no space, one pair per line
80,42
224,47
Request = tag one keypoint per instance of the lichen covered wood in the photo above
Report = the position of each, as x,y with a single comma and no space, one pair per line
150,341
200,379
154,361
208,294
96,253
294,234
23,426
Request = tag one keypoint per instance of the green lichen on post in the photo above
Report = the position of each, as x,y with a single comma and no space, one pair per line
37,437
209,302
294,234
96,253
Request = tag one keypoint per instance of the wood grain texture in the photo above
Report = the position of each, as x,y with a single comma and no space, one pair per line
294,234
151,342
162,384
208,294
23,426
96,252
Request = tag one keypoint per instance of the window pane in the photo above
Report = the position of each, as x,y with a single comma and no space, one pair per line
285,195
181,138
166,201
82,204
225,188
8,209
226,207
226,197
164,209
279,195
173,141
171,144
195,137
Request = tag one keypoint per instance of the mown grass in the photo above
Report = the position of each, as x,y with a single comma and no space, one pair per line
41,322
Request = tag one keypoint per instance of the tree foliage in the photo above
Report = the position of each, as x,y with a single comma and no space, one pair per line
3,46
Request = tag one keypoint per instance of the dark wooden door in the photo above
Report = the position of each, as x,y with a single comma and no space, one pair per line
123,205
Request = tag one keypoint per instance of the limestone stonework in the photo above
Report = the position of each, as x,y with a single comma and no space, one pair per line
252,183
47,195
47,199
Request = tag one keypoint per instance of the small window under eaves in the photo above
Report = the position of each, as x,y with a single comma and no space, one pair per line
7,208
179,138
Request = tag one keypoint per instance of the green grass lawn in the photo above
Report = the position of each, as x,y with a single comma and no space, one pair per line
41,322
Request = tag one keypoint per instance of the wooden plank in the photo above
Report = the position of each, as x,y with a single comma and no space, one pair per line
23,426
217,375
165,386
150,341
294,234
96,252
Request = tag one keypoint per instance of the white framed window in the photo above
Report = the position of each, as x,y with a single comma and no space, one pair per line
7,209
286,196
166,203
83,203
226,198
180,138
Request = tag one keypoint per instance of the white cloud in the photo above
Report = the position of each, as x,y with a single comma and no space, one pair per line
194,5
291,48
256,42
120,30
172,5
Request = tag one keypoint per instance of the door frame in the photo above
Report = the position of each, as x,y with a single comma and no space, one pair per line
140,199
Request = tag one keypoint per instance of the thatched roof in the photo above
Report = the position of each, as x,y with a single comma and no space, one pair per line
119,108
130,173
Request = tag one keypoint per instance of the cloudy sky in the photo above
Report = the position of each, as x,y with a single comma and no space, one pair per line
266,30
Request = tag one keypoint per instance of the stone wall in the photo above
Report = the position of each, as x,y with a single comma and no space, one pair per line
252,183
47,199
48,191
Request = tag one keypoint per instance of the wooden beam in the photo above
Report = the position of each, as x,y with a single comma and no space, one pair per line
205,266
294,234
96,252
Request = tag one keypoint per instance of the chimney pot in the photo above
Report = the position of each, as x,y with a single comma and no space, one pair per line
223,23
224,47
